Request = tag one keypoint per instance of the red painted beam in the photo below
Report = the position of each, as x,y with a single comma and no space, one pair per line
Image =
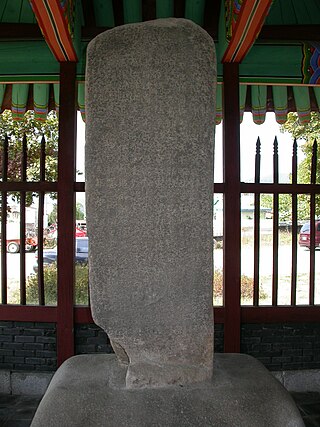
249,23
83,315
66,210
28,313
268,314
232,238
218,314
46,187
279,188
55,28
280,314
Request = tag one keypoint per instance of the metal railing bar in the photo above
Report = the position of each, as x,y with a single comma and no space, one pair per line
269,188
294,230
256,277
41,294
23,223
47,187
312,248
80,187
275,225
4,176
312,224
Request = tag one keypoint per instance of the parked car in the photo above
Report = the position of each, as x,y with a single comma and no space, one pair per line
51,232
81,255
13,245
13,242
304,236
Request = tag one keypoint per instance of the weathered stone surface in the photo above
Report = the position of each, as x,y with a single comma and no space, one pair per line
149,182
149,172
5,382
30,383
91,391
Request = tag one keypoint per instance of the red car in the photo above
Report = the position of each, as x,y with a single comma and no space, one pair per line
304,237
13,245
53,231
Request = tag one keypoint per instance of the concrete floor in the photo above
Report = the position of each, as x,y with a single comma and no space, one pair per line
18,411
309,407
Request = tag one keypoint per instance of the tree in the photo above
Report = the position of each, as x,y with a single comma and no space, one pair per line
307,132
52,217
34,131
79,211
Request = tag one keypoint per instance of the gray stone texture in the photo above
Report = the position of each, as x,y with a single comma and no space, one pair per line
91,391
149,184
300,381
5,382
149,176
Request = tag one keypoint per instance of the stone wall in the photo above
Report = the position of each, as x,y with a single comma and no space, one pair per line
31,346
218,337
287,346
28,346
89,338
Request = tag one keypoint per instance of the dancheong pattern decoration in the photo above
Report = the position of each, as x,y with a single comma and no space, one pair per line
244,20
68,10
56,20
311,63
232,10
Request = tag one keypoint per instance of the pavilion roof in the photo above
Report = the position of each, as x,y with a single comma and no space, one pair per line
275,42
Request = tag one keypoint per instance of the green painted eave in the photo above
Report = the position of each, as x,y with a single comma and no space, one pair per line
32,61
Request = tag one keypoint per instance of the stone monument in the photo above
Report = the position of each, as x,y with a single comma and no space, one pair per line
150,97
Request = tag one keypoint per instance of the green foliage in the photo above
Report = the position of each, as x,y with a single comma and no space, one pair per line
34,131
53,216
246,288
79,211
285,204
307,131
50,285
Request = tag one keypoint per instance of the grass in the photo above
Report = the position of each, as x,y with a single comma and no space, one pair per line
81,294
284,289
246,289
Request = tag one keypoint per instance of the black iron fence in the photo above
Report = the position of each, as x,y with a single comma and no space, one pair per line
254,311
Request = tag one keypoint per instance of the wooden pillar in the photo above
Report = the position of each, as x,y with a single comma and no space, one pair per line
232,221
66,210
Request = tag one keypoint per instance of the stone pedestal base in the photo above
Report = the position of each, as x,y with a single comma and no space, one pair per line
89,391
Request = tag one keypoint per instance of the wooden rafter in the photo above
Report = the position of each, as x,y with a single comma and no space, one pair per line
290,33
88,13
284,33
247,28
118,12
148,10
55,30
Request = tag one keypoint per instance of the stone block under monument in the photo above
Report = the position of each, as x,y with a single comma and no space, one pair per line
149,183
